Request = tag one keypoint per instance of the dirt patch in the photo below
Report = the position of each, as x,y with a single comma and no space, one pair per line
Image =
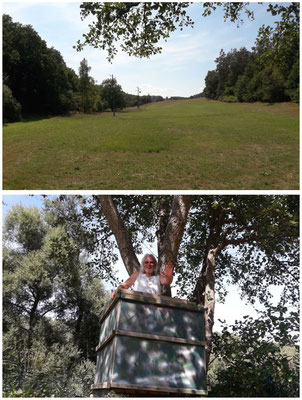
177,130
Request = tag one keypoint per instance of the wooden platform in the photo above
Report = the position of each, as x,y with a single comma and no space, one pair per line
151,346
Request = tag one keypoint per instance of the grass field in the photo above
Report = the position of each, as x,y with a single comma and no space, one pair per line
191,144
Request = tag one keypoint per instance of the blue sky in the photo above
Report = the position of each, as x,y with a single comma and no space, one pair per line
8,201
180,69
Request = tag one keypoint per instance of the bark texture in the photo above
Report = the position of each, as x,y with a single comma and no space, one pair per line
170,241
174,230
204,292
121,234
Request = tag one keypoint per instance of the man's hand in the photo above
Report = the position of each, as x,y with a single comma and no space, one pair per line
168,271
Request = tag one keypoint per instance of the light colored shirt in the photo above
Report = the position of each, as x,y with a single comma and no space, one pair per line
147,284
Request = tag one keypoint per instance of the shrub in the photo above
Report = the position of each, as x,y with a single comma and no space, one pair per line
11,107
273,85
229,99
292,84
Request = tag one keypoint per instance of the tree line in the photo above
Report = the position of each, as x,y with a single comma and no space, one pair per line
36,79
268,73
56,258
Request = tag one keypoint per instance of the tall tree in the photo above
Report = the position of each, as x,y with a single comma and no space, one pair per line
262,229
112,93
250,241
52,300
37,75
243,74
87,88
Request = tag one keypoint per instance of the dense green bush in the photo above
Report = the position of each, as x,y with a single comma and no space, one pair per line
293,81
229,99
11,107
248,362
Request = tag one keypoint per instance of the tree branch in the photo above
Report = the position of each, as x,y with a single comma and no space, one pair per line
175,229
121,234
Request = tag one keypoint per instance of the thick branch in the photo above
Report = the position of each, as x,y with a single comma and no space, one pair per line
163,212
169,242
175,229
121,234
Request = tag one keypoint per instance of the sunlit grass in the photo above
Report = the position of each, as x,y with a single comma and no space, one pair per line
192,144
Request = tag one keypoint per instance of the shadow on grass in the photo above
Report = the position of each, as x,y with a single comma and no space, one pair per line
39,117
34,117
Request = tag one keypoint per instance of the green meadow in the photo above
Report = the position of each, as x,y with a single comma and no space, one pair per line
188,144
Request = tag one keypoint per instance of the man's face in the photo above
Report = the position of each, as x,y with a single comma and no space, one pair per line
149,265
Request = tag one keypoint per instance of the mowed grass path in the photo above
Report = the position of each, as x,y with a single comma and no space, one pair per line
192,144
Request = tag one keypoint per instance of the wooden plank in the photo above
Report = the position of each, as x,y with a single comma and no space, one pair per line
119,306
160,300
165,389
164,298
161,338
103,385
107,340
149,299
148,336
109,307
113,359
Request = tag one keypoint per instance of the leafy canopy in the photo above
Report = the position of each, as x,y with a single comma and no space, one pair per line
141,26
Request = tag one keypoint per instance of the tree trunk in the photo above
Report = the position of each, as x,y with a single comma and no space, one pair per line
121,234
209,302
169,238
175,229
32,321
173,234
163,211
204,293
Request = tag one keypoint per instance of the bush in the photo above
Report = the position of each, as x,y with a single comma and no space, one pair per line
229,99
292,84
247,362
273,85
11,107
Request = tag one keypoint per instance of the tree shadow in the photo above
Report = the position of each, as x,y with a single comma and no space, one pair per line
35,117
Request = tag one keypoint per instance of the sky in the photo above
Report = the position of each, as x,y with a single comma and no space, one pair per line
180,70
232,309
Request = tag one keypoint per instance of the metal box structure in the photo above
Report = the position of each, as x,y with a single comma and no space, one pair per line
152,345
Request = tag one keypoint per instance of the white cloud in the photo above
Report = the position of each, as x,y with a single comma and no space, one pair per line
179,69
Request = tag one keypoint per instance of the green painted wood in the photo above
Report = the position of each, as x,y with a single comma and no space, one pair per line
161,320
160,300
159,364
151,346
104,364
109,323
